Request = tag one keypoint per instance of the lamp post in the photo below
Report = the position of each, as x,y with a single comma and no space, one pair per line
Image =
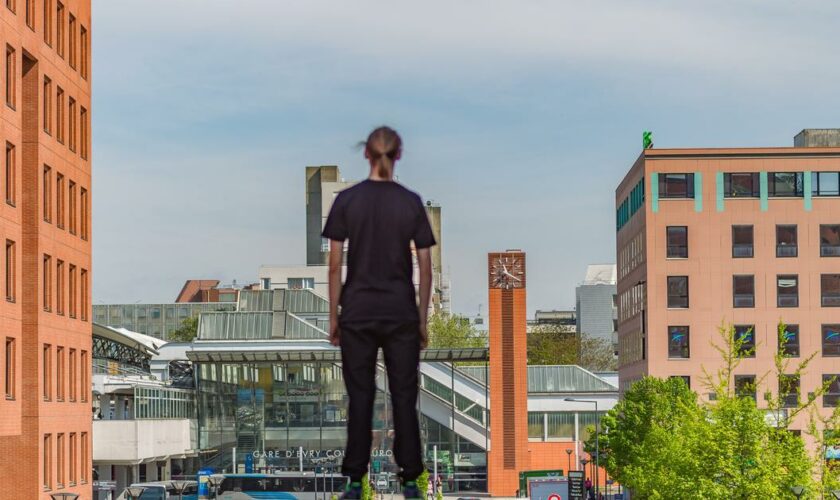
134,492
797,490
597,430
179,487
213,482
583,463
569,454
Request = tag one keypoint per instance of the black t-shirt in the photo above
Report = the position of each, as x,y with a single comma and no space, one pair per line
380,219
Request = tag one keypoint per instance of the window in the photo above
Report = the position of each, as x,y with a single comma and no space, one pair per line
9,371
11,170
72,459
59,114
831,340
743,290
300,283
745,340
72,41
11,77
786,241
830,290
83,359
46,366
741,185
832,395
745,386
784,184
678,345
59,373
677,241
829,240
71,379
825,183
48,25
789,390
59,462
72,207
83,44
83,128
676,185
787,290
47,284
72,283
59,31
71,125
59,200
30,14
84,214
83,469
47,194
742,242
685,378
47,108
59,287
11,271
47,451
678,292
84,294
789,341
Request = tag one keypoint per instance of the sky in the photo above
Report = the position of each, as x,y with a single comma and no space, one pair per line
518,117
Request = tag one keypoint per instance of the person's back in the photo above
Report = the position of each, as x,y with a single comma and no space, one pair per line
380,219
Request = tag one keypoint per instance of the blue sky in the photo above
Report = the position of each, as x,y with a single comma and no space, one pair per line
519,118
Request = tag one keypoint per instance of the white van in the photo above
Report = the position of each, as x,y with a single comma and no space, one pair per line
162,490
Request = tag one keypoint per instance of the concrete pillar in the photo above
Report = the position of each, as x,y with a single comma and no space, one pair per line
105,405
129,407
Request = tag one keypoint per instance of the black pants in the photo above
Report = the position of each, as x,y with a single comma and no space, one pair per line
400,343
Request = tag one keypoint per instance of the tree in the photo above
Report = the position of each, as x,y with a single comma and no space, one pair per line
186,332
447,331
558,345
661,441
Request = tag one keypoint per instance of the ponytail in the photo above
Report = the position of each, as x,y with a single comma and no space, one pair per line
383,146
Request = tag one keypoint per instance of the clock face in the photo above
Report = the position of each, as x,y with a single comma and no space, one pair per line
507,272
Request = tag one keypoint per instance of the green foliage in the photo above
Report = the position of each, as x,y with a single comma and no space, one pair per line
367,491
558,345
661,441
423,483
186,332
446,331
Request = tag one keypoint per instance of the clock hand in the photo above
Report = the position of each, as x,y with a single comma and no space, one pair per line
512,276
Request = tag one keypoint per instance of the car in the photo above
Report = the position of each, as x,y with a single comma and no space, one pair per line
381,484
162,490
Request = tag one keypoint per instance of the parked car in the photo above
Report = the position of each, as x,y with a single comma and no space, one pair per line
162,490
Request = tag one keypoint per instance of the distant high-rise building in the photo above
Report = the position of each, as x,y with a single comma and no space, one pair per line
322,186
595,303
45,360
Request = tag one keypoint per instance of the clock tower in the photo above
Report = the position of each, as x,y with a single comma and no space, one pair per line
508,372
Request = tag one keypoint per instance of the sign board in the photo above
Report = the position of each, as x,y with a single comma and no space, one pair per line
576,485
549,489
525,476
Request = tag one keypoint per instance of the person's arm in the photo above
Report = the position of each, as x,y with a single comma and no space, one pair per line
336,254
424,262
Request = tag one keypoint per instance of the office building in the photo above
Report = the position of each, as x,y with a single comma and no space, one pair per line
156,320
45,425
745,236
595,303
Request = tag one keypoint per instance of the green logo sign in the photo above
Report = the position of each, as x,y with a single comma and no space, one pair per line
647,139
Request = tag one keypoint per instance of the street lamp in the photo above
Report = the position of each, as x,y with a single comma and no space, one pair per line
64,496
134,492
797,490
213,482
597,430
569,454
179,487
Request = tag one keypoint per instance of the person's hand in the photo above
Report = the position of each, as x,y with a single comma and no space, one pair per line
424,335
335,332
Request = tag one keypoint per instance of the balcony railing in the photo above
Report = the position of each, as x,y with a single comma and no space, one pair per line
742,250
830,251
786,250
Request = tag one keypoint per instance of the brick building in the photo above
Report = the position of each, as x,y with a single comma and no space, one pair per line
45,425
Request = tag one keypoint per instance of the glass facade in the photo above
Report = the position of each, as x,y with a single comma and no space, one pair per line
273,410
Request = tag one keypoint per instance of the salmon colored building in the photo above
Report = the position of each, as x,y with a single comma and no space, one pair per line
747,237
45,415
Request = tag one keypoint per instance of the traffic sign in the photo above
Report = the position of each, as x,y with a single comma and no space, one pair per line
576,485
